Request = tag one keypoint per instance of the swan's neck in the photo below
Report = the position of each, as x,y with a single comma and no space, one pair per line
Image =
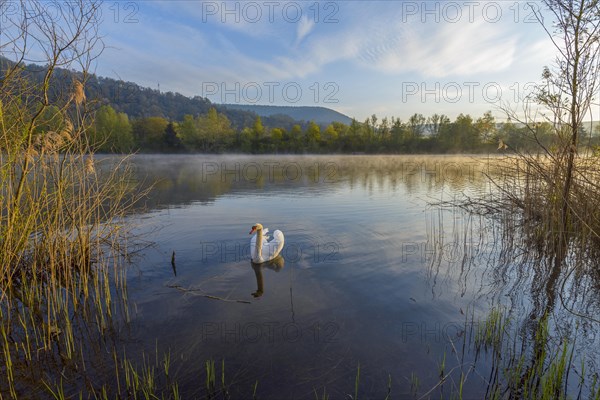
259,242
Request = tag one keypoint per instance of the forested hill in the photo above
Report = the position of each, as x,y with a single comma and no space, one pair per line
142,102
320,115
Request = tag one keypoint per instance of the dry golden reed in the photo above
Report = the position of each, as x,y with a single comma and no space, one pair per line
78,92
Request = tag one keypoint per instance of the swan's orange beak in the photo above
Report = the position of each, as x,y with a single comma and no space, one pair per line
252,230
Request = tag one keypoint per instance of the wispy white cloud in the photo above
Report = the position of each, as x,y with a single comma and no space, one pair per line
447,50
305,26
181,48
435,51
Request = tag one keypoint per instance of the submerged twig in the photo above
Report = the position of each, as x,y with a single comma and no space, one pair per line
208,296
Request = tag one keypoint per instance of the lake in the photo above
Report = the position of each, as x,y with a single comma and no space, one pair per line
379,275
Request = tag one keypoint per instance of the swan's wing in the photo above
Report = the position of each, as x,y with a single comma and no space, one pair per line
278,235
271,249
266,234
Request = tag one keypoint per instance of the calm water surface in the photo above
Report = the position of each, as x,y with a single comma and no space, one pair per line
370,274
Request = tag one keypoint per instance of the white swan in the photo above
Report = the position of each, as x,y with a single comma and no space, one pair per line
261,248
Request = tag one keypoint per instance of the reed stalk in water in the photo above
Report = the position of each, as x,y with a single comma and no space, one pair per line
62,210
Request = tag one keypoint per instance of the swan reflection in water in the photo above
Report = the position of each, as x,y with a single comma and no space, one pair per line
275,264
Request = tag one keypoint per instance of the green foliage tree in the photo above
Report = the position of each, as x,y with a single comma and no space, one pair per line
215,131
354,139
208,133
460,135
296,139
486,126
277,139
258,130
416,125
369,134
149,133
330,137
384,130
437,123
398,135
246,140
313,137
112,131
171,139
415,129
188,133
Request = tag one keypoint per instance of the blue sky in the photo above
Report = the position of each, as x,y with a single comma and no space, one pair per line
389,58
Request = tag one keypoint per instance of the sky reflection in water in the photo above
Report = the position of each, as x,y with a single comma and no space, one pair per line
360,279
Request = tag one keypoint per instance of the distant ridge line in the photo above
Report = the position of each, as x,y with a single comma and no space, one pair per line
318,114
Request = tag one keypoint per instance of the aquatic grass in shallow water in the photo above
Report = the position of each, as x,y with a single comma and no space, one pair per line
516,367
62,231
